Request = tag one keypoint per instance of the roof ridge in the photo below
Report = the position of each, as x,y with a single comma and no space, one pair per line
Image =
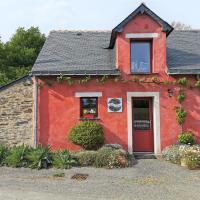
80,30
14,82
190,30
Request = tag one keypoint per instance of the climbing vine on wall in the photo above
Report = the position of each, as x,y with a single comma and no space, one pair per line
180,115
181,96
197,84
85,80
182,82
63,78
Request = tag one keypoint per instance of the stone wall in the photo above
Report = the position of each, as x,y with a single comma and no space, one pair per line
16,113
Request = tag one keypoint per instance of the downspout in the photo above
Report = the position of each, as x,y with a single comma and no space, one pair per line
35,111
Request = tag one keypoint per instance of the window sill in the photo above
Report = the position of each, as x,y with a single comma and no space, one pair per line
88,119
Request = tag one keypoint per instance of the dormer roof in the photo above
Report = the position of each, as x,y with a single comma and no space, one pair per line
142,9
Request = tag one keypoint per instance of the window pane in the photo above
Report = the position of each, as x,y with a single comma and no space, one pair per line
140,57
89,107
141,114
89,102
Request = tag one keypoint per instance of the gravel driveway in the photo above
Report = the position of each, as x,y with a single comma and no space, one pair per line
148,179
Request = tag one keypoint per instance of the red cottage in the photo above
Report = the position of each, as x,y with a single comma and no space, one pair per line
127,79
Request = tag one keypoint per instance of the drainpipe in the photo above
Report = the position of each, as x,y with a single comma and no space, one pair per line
35,111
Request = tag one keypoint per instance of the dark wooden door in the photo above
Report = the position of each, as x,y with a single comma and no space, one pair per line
142,125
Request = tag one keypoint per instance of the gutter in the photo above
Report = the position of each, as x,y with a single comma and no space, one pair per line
35,111
74,74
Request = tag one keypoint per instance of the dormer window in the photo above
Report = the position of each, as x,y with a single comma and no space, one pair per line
141,57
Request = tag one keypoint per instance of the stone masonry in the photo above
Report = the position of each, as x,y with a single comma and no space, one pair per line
16,113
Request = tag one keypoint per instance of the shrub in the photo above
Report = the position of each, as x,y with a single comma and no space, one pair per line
103,157
191,155
86,158
87,134
63,160
192,163
40,157
185,155
106,156
3,154
17,157
186,138
110,158
172,154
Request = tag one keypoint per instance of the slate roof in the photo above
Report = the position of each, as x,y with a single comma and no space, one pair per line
183,52
76,53
85,52
19,80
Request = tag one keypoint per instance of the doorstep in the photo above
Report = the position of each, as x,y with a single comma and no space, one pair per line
144,155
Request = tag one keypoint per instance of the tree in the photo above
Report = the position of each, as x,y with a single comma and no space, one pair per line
2,54
18,55
24,47
180,26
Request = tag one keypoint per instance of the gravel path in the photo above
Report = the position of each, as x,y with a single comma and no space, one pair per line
148,179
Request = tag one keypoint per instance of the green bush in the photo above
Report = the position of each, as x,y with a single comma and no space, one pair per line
103,157
107,157
86,158
63,160
111,158
3,154
186,138
88,135
17,156
40,157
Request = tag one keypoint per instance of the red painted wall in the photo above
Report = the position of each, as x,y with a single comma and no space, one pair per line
59,109
142,24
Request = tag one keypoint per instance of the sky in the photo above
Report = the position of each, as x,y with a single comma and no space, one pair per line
87,14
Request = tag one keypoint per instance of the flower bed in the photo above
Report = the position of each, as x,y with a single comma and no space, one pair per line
109,156
185,155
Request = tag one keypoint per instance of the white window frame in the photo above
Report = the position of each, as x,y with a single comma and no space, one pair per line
88,94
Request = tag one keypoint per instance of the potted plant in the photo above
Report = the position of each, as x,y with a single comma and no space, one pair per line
89,113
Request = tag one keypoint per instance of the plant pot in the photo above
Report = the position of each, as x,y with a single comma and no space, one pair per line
183,162
88,116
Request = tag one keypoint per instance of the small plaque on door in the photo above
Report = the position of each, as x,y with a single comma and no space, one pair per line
142,124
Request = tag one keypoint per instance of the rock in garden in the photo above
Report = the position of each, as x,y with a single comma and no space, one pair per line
114,146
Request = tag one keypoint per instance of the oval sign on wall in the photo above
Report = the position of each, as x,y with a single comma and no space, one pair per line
114,104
